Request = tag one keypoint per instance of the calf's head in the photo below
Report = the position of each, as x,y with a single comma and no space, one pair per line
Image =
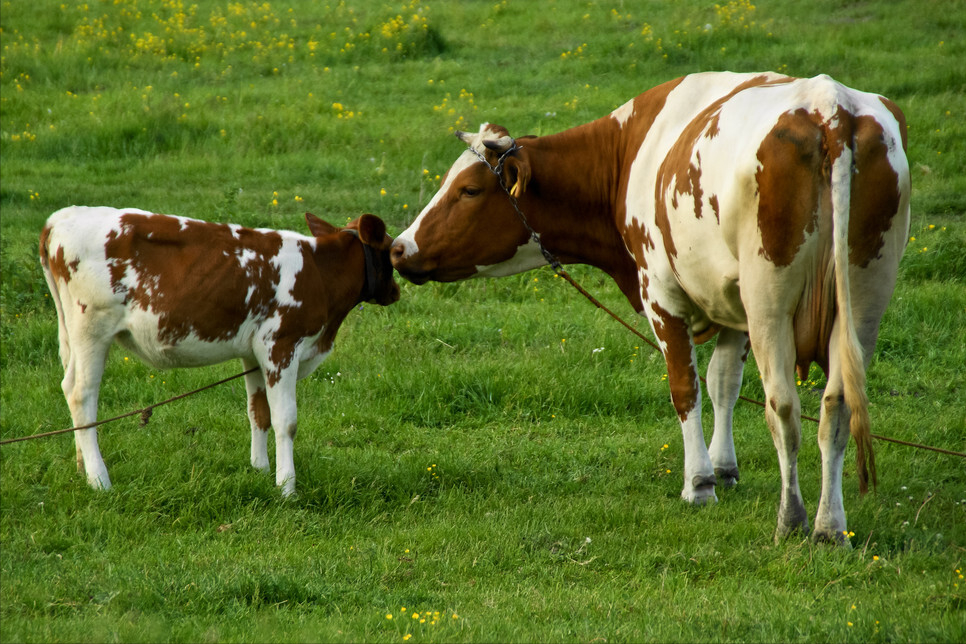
470,228
379,287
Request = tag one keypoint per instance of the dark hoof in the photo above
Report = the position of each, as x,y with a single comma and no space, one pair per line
699,482
727,477
703,490
833,538
791,522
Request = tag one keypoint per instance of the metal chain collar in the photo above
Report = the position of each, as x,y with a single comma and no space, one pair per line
534,235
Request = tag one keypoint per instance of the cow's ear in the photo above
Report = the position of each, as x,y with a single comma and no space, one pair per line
319,227
517,175
372,230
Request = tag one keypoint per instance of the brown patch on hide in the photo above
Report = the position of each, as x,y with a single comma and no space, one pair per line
875,193
789,185
258,406
191,273
682,378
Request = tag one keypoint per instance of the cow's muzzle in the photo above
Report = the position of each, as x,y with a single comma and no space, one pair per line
397,254
409,266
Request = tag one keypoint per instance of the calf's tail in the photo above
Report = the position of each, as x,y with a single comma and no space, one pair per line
55,294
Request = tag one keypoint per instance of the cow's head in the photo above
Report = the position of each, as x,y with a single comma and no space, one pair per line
470,228
380,287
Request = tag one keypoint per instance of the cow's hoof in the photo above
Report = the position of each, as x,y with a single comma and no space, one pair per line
701,491
791,524
727,477
838,538
783,532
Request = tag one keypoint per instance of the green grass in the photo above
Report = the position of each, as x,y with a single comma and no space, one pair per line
458,449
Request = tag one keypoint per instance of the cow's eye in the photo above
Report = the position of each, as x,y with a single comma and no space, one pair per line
471,191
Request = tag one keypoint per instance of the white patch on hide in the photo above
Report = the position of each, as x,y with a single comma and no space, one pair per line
526,258
624,112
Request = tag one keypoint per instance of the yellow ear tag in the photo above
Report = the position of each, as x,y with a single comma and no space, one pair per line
515,190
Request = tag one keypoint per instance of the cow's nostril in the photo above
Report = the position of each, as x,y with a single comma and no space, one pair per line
397,252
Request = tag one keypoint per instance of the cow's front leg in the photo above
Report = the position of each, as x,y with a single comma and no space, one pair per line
281,401
678,348
724,385
259,416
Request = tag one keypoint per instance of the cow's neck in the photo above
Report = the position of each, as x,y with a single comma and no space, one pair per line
575,185
340,263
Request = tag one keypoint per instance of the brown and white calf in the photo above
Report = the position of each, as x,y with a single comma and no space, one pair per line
180,292
771,211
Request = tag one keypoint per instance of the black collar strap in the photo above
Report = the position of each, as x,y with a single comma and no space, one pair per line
369,287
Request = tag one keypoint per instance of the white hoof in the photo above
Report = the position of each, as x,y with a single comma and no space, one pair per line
288,487
99,481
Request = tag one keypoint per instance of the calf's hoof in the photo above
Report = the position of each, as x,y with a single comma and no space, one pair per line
99,481
287,486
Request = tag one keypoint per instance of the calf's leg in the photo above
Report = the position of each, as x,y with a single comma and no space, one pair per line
259,416
81,384
281,401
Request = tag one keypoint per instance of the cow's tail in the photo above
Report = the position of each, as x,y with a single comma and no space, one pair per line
55,294
850,356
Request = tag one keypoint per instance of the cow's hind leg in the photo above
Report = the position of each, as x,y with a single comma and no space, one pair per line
724,385
81,384
773,343
259,416
833,438
872,289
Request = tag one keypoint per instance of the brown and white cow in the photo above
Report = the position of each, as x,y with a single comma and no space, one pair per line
181,292
767,209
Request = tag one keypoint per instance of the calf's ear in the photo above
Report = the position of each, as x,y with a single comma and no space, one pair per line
319,227
372,230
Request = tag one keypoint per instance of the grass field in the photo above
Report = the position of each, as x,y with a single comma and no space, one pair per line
487,461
